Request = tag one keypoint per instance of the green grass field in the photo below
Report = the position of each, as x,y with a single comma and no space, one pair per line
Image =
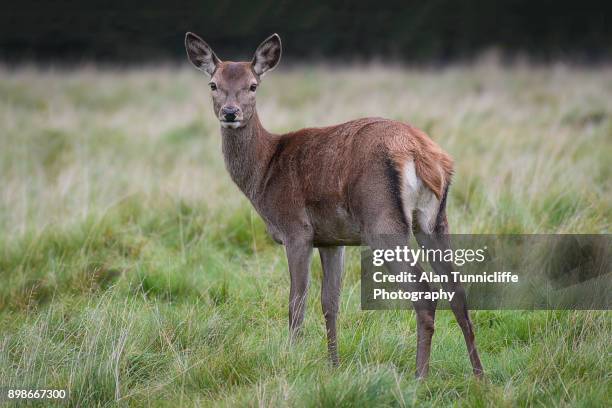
134,272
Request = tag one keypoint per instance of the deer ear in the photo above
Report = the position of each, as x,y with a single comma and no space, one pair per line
200,54
267,55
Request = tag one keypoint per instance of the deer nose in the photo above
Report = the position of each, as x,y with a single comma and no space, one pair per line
229,113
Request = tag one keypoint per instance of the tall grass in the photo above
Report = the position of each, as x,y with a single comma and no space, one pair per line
134,273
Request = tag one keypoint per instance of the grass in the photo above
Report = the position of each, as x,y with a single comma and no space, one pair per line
134,273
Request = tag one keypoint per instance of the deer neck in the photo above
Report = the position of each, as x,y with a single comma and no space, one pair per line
247,151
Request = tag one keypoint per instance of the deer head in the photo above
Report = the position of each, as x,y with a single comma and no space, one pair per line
233,85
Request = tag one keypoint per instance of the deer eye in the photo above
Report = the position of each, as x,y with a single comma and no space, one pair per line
213,86
253,88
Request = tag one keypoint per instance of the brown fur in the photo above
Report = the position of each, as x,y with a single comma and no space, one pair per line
325,164
433,165
332,186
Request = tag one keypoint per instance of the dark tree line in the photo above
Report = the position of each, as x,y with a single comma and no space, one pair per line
425,30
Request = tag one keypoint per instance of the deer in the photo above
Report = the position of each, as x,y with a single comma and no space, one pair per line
330,187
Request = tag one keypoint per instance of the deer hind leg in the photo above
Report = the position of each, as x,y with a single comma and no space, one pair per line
425,310
386,232
425,316
416,205
434,234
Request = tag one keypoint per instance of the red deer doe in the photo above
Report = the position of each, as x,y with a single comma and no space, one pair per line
333,186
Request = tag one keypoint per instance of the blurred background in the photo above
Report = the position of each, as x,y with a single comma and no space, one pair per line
405,30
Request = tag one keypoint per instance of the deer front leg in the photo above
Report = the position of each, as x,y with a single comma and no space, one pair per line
298,257
332,260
